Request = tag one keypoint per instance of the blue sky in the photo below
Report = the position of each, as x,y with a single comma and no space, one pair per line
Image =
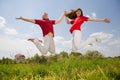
14,33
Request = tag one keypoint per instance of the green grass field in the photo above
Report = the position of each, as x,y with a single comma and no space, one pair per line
61,68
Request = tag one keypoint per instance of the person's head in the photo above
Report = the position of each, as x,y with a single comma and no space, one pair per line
45,15
79,12
74,13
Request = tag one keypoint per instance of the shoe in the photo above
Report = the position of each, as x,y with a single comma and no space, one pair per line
90,44
40,41
31,39
98,40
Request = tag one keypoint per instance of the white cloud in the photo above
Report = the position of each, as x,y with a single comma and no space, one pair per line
93,15
62,41
10,31
58,50
112,49
115,42
67,44
14,46
62,44
6,30
58,39
87,16
104,49
2,22
105,37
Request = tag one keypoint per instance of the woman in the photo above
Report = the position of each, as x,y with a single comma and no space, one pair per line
77,19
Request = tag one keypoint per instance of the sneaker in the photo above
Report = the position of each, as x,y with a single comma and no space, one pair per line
90,44
31,39
98,40
40,41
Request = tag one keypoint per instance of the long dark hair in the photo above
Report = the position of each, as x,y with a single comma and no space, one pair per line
72,13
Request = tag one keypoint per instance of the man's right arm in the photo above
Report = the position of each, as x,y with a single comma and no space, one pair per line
26,19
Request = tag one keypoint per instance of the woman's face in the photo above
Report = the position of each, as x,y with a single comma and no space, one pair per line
78,13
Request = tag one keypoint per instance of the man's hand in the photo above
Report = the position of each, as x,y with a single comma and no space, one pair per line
19,18
64,13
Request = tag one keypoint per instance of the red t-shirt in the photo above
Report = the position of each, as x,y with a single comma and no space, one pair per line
77,22
46,25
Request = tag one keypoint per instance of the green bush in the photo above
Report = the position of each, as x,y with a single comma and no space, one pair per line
63,54
93,54
75,54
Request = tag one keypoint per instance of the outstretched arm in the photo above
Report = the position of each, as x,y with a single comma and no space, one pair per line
67,20
26,19
99,20
60,18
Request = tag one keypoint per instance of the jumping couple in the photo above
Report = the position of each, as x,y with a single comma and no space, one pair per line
76,20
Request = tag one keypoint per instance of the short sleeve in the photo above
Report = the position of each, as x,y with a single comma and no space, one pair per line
38,21
85,18
53,21
72,21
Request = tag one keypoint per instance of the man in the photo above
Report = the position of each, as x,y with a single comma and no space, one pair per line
47,30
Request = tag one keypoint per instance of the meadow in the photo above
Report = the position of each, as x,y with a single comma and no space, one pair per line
75,66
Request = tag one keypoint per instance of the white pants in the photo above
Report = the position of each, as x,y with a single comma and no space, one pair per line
48,45
76,41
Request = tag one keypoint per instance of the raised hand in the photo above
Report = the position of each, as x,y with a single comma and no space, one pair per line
65,12
19,18
106,20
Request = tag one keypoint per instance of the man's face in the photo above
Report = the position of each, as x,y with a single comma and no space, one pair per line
45,15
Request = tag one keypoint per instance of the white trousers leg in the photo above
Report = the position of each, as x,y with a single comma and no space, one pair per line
76,42
48,45
51,48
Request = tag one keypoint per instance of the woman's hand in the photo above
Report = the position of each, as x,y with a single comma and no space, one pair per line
106,20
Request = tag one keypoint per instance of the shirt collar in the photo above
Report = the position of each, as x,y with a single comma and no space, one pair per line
45,19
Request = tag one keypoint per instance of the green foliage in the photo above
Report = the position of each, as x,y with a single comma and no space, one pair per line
67,69
52,58
6,61
38,59
75,54
63,54
93,54
62,67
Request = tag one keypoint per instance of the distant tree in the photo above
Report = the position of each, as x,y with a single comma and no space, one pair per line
6,61
63,54
36,58
52,58
117,57
75,54
93,54
43,59
39,59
